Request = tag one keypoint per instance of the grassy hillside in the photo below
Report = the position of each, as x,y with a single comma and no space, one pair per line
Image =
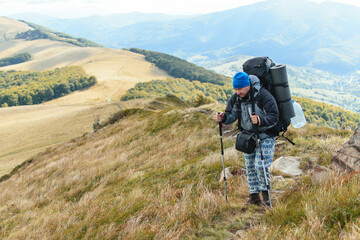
182,88
116,70
28,130
154,173
40,32
9,28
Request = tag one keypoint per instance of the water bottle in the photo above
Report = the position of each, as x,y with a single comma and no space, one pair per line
299,120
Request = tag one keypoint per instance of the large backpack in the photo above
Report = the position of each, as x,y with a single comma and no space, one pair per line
260,67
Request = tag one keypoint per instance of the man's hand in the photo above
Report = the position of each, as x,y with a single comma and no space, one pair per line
255,119
219,116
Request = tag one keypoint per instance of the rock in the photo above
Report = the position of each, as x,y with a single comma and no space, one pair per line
228,174
320,174
287,165
347,158
277,178
279,182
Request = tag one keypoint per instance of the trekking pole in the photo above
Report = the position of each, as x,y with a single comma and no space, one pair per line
256,129
263,164
222,154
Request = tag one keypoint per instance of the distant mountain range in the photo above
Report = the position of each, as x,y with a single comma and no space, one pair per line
297,32
101,29
327,85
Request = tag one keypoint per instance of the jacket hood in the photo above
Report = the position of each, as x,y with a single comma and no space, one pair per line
255,82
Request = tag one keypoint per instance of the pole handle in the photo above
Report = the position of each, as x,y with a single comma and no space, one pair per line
220,126
220,129
221,141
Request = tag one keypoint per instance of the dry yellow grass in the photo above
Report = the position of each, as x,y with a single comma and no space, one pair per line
116,70
328,211
9,28
134,180
154,175
26,130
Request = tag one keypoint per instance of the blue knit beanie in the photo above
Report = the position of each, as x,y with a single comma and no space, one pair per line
241,80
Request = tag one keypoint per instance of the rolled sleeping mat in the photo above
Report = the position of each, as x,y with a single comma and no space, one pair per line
281,90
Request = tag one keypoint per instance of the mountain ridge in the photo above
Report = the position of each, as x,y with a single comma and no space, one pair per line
330,44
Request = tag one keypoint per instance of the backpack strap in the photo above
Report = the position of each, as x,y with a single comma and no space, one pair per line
283,136
255,127
252,99
280,85
238,102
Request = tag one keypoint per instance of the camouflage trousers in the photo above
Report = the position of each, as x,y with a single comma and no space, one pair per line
254,165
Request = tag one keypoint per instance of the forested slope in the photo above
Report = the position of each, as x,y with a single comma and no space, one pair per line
180,68
31,87
182,88
18,58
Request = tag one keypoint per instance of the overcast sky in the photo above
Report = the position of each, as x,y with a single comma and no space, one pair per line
82,8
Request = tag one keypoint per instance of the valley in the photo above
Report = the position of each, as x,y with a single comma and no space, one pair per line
27,130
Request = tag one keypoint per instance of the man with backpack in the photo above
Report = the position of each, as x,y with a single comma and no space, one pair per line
257,113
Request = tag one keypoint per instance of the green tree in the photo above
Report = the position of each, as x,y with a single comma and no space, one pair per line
25,98
61,89
11,99
201,100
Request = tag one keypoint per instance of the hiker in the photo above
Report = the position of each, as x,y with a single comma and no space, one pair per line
265,117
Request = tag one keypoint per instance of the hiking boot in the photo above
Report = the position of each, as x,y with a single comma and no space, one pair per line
254,199
265,197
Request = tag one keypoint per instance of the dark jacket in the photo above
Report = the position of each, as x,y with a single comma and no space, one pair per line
265,106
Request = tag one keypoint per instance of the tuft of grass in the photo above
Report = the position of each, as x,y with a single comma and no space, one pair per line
124,113
313,141
163,120
308,212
